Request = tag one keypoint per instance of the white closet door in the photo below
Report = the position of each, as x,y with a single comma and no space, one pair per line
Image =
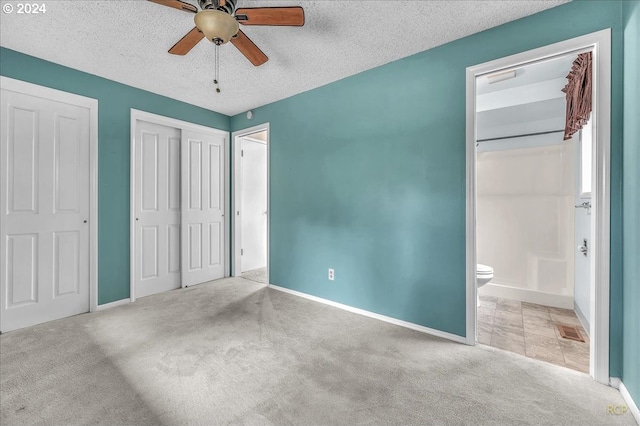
202,207
44,210
254,204
157,249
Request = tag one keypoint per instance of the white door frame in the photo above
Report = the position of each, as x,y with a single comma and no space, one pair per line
91,104
182,125
600,44
237,192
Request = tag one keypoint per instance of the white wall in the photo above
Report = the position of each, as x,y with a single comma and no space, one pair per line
525,217
582,289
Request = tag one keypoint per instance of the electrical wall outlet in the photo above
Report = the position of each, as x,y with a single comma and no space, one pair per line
331,274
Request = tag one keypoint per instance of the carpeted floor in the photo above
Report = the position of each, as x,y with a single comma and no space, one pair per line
235,351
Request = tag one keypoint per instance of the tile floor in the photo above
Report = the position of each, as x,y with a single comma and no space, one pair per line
529,329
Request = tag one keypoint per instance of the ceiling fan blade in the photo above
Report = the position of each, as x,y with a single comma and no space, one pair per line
290,16
249,49
187,42
177,4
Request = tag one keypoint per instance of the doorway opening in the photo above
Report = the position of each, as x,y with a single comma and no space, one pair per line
251,203
538,209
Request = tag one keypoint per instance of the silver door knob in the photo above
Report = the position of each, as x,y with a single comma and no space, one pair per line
585,205
584,248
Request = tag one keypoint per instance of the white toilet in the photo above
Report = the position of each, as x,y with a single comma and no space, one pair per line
484,274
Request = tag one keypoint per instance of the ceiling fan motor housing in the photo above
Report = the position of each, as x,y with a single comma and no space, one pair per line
228,7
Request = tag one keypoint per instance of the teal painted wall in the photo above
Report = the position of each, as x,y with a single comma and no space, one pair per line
631,196
368,176
115,101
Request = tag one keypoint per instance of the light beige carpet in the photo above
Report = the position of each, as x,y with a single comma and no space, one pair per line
234,351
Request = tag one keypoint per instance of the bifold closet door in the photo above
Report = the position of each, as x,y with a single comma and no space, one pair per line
44,210
157,209
202,207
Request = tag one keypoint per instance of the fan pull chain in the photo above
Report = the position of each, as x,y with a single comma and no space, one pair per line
217,68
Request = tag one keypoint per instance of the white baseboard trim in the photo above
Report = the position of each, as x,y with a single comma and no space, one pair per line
526,295
369,314
582,318
631,405
614,382
113,304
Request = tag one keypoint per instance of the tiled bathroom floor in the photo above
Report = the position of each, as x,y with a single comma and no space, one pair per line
531,330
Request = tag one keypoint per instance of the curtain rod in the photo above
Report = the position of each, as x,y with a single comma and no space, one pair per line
519,136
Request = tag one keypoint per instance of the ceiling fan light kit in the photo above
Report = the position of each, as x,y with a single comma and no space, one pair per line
216,25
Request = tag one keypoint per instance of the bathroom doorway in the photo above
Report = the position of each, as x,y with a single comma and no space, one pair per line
537,235
250,203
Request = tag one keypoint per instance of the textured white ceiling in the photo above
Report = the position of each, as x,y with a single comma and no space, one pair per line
127,41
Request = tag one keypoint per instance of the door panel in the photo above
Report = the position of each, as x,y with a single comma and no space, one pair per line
215,244
215,178
44,210
22,269
195,247
254,205
150,171
173,254
157,198
203,208
149,243
66,265
67,164
173,185
195,175
22,164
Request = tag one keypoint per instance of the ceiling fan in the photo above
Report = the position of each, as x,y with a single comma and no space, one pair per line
218,22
